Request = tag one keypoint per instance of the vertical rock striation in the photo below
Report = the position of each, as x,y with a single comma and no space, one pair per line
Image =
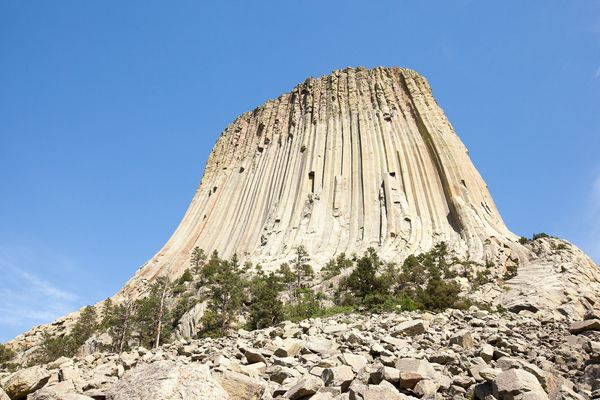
356,159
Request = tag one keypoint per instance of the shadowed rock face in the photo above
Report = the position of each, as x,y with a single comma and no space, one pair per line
356,159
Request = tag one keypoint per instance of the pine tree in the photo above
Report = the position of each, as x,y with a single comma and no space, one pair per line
107,312
152,315
286,276
53,347
266,309
225,296
363,280
119,323
197,259
335,266
301,268
85,327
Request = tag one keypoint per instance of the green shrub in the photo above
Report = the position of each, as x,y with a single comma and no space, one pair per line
305,304
6,354
335,266
540,236
511,272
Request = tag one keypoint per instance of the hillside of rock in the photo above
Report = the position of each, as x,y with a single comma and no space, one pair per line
451,355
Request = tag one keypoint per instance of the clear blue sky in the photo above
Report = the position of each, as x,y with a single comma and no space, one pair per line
108,110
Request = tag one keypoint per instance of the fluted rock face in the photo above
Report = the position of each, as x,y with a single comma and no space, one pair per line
356,159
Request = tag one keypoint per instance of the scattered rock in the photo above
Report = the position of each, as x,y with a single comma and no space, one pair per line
341,377
375,392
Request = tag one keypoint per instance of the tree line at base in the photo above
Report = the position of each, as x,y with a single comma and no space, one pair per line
237,296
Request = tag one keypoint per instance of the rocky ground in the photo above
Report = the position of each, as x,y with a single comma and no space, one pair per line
454,354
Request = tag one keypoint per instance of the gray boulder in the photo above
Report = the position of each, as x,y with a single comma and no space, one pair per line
515,384
587,325
167,380
25,381
306,387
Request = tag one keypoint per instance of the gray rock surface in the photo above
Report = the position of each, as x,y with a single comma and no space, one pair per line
167,380
25,381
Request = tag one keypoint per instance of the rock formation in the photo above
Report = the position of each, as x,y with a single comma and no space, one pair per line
356,159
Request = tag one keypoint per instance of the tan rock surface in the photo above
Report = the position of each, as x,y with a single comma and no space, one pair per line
359,158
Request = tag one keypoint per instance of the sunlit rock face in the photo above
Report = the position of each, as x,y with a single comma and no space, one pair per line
356,159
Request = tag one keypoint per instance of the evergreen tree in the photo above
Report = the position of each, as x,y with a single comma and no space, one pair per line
53,347
364,280
119,323
85,327
439,294
225,296
266,309
306,304
336,265
107,311
152,315
286,276
302,270
197,259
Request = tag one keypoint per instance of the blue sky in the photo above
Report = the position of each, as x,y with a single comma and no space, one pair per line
108,110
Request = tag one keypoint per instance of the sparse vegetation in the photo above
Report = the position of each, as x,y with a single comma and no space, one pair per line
366,283
540,236
422,282
152,316
335,266
6,355
511,271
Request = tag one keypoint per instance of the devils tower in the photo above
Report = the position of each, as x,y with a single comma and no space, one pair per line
356,162
359,158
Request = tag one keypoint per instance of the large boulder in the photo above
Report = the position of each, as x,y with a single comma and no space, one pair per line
167,380
516,384
382,391
49,394
416,366
25,381
305,387
463,338
341,377
410,328
587,325
241,387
